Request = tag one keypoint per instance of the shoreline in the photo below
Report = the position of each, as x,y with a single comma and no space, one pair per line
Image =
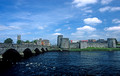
86,49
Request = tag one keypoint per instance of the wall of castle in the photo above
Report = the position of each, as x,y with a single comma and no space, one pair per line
59,40
99,45
83,45
65,43
111,42
74,45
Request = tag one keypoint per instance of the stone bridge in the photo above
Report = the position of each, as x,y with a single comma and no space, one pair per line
14,52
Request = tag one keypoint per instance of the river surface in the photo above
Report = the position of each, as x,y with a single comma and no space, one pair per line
67,63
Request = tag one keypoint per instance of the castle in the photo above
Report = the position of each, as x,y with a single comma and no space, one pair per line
64,43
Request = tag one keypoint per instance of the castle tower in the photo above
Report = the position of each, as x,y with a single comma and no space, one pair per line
111,42
18,37
82,44
65,43
59,39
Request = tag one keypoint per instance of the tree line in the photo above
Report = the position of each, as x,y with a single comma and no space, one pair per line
10,41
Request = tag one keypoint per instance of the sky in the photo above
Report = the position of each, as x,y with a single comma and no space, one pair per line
46,19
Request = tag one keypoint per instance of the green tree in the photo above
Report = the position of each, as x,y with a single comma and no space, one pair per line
35,41
27,41
8,40
19,41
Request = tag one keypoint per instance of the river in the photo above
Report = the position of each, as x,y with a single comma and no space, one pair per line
67,63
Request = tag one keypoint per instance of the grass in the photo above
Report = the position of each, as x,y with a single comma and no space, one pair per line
96,49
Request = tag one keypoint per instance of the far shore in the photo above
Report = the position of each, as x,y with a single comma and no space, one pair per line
86,49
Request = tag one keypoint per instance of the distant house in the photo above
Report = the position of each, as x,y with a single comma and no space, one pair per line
84,40
91,40
45,42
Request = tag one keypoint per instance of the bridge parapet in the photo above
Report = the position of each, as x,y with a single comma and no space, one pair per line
21,48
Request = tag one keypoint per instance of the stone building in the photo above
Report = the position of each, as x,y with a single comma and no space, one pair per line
39,41
101,43
65,43
91,40
111,42
18,37
59,39
45,43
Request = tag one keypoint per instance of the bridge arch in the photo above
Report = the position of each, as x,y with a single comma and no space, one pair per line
11,55
43,50
27,53
46,49
37,51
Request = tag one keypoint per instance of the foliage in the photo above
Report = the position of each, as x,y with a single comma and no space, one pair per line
19,41
27,41
8,40
35,41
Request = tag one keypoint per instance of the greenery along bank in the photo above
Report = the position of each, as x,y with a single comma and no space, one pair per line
96,49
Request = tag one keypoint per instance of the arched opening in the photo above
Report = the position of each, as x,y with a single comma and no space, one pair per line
43,50
37,51
46,49
11,55
27,53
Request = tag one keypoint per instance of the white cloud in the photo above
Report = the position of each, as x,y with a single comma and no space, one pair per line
106,1
57,30
86,28
115,9
82,31
92,21
9,27
108,8
116,21
104,9
81,3
41,27
94,36
87,10
56,34
114,28
27,33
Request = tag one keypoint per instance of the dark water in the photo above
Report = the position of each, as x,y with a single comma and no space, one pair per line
68,63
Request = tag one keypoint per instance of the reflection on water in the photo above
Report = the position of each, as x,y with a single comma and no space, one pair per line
68,63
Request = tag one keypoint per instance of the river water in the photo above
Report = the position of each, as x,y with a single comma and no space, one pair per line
67,63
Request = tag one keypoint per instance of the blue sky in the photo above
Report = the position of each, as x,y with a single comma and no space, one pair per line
75,19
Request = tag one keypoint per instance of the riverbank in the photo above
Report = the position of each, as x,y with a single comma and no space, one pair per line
88,49
96,49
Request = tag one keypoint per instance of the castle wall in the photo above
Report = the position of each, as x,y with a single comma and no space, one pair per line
111,42
83,45
65,43
59,40
74,45
99,45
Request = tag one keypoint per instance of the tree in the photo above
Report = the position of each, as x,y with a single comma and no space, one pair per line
27,41
35,41
19,41
8,40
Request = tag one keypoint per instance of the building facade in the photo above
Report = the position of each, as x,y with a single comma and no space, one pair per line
18,37
101,43
59,40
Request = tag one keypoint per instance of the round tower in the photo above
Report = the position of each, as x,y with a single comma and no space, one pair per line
111,42
59,39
